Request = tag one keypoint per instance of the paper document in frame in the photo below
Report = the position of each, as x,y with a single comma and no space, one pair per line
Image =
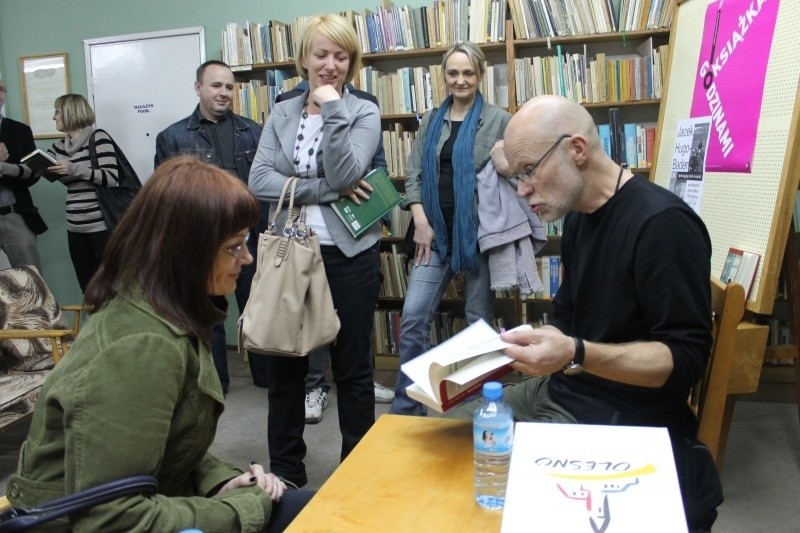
451,372
38,161
359,218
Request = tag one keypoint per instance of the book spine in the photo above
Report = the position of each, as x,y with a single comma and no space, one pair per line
546,294
555,274
630,145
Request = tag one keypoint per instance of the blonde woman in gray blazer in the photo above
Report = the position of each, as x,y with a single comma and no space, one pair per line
327,137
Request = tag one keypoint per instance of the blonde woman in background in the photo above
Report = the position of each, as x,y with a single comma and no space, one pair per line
87,231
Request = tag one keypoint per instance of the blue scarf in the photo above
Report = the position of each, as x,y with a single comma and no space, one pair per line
465,230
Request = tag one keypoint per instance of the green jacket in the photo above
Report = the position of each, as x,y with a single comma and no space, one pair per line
134,396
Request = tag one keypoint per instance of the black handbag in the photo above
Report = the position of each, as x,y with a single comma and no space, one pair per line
22,519
114,201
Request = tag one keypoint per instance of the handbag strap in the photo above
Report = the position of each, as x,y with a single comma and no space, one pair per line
290,213
274,222
20,518
121,160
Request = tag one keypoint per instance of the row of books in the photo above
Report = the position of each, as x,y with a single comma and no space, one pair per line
549,267
637,143
388,28
399,219
255,99
420,89
408,90
397,143
444,23
553,18
254,43
386,333
602,79
445,324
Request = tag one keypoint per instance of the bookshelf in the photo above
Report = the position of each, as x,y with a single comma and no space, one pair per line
580,49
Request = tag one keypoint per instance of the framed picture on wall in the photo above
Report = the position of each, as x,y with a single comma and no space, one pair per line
44,78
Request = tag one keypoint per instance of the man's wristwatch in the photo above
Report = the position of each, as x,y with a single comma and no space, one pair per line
576,365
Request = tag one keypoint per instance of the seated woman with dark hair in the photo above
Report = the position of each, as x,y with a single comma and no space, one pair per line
137,394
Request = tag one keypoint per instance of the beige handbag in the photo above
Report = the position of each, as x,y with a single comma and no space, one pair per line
290,309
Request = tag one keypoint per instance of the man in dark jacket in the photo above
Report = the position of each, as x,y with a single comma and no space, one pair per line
317,386
20,221
216,135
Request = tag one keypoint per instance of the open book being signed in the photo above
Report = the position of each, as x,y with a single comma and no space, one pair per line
451,372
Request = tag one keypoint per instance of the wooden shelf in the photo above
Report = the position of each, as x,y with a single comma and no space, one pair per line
657,101
367,58
591,38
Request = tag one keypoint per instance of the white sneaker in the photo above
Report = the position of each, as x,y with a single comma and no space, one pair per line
383,394
316,401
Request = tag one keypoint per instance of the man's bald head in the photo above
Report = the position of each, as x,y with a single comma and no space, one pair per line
544,118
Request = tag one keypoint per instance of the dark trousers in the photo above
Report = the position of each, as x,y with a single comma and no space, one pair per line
289,506
355,283
86,251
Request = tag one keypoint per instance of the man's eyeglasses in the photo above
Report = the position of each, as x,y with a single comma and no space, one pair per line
526,174
237,250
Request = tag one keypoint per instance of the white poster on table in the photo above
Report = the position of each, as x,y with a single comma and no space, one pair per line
590,478
688,160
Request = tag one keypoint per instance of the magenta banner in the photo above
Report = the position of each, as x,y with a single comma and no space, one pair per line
729,85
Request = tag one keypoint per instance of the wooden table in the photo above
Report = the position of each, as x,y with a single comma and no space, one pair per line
407,474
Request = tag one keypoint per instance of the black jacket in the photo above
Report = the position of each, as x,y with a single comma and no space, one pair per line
18,138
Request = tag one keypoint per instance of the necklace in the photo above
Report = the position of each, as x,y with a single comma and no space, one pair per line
300,137
619,179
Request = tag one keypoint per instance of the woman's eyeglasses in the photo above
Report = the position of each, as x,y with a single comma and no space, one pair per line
237,250
526,174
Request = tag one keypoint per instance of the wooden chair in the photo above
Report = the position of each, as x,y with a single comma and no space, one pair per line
34,335
709,399
60,339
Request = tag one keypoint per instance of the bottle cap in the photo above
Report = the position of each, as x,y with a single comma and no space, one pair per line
492,390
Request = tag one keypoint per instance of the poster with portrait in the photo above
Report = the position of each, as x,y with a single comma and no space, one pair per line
689,160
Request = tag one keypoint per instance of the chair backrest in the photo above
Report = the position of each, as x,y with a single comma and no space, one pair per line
26,303
710,397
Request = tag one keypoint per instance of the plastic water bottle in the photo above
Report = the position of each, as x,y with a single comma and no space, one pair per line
493,436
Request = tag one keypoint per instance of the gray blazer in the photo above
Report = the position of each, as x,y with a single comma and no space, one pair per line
351,129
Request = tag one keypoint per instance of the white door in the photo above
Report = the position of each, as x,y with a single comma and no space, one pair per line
139,84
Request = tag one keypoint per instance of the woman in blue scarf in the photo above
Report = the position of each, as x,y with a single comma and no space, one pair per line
453,145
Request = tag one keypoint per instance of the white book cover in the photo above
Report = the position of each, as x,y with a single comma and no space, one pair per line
590,478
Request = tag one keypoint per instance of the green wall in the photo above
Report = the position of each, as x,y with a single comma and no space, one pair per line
33,27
